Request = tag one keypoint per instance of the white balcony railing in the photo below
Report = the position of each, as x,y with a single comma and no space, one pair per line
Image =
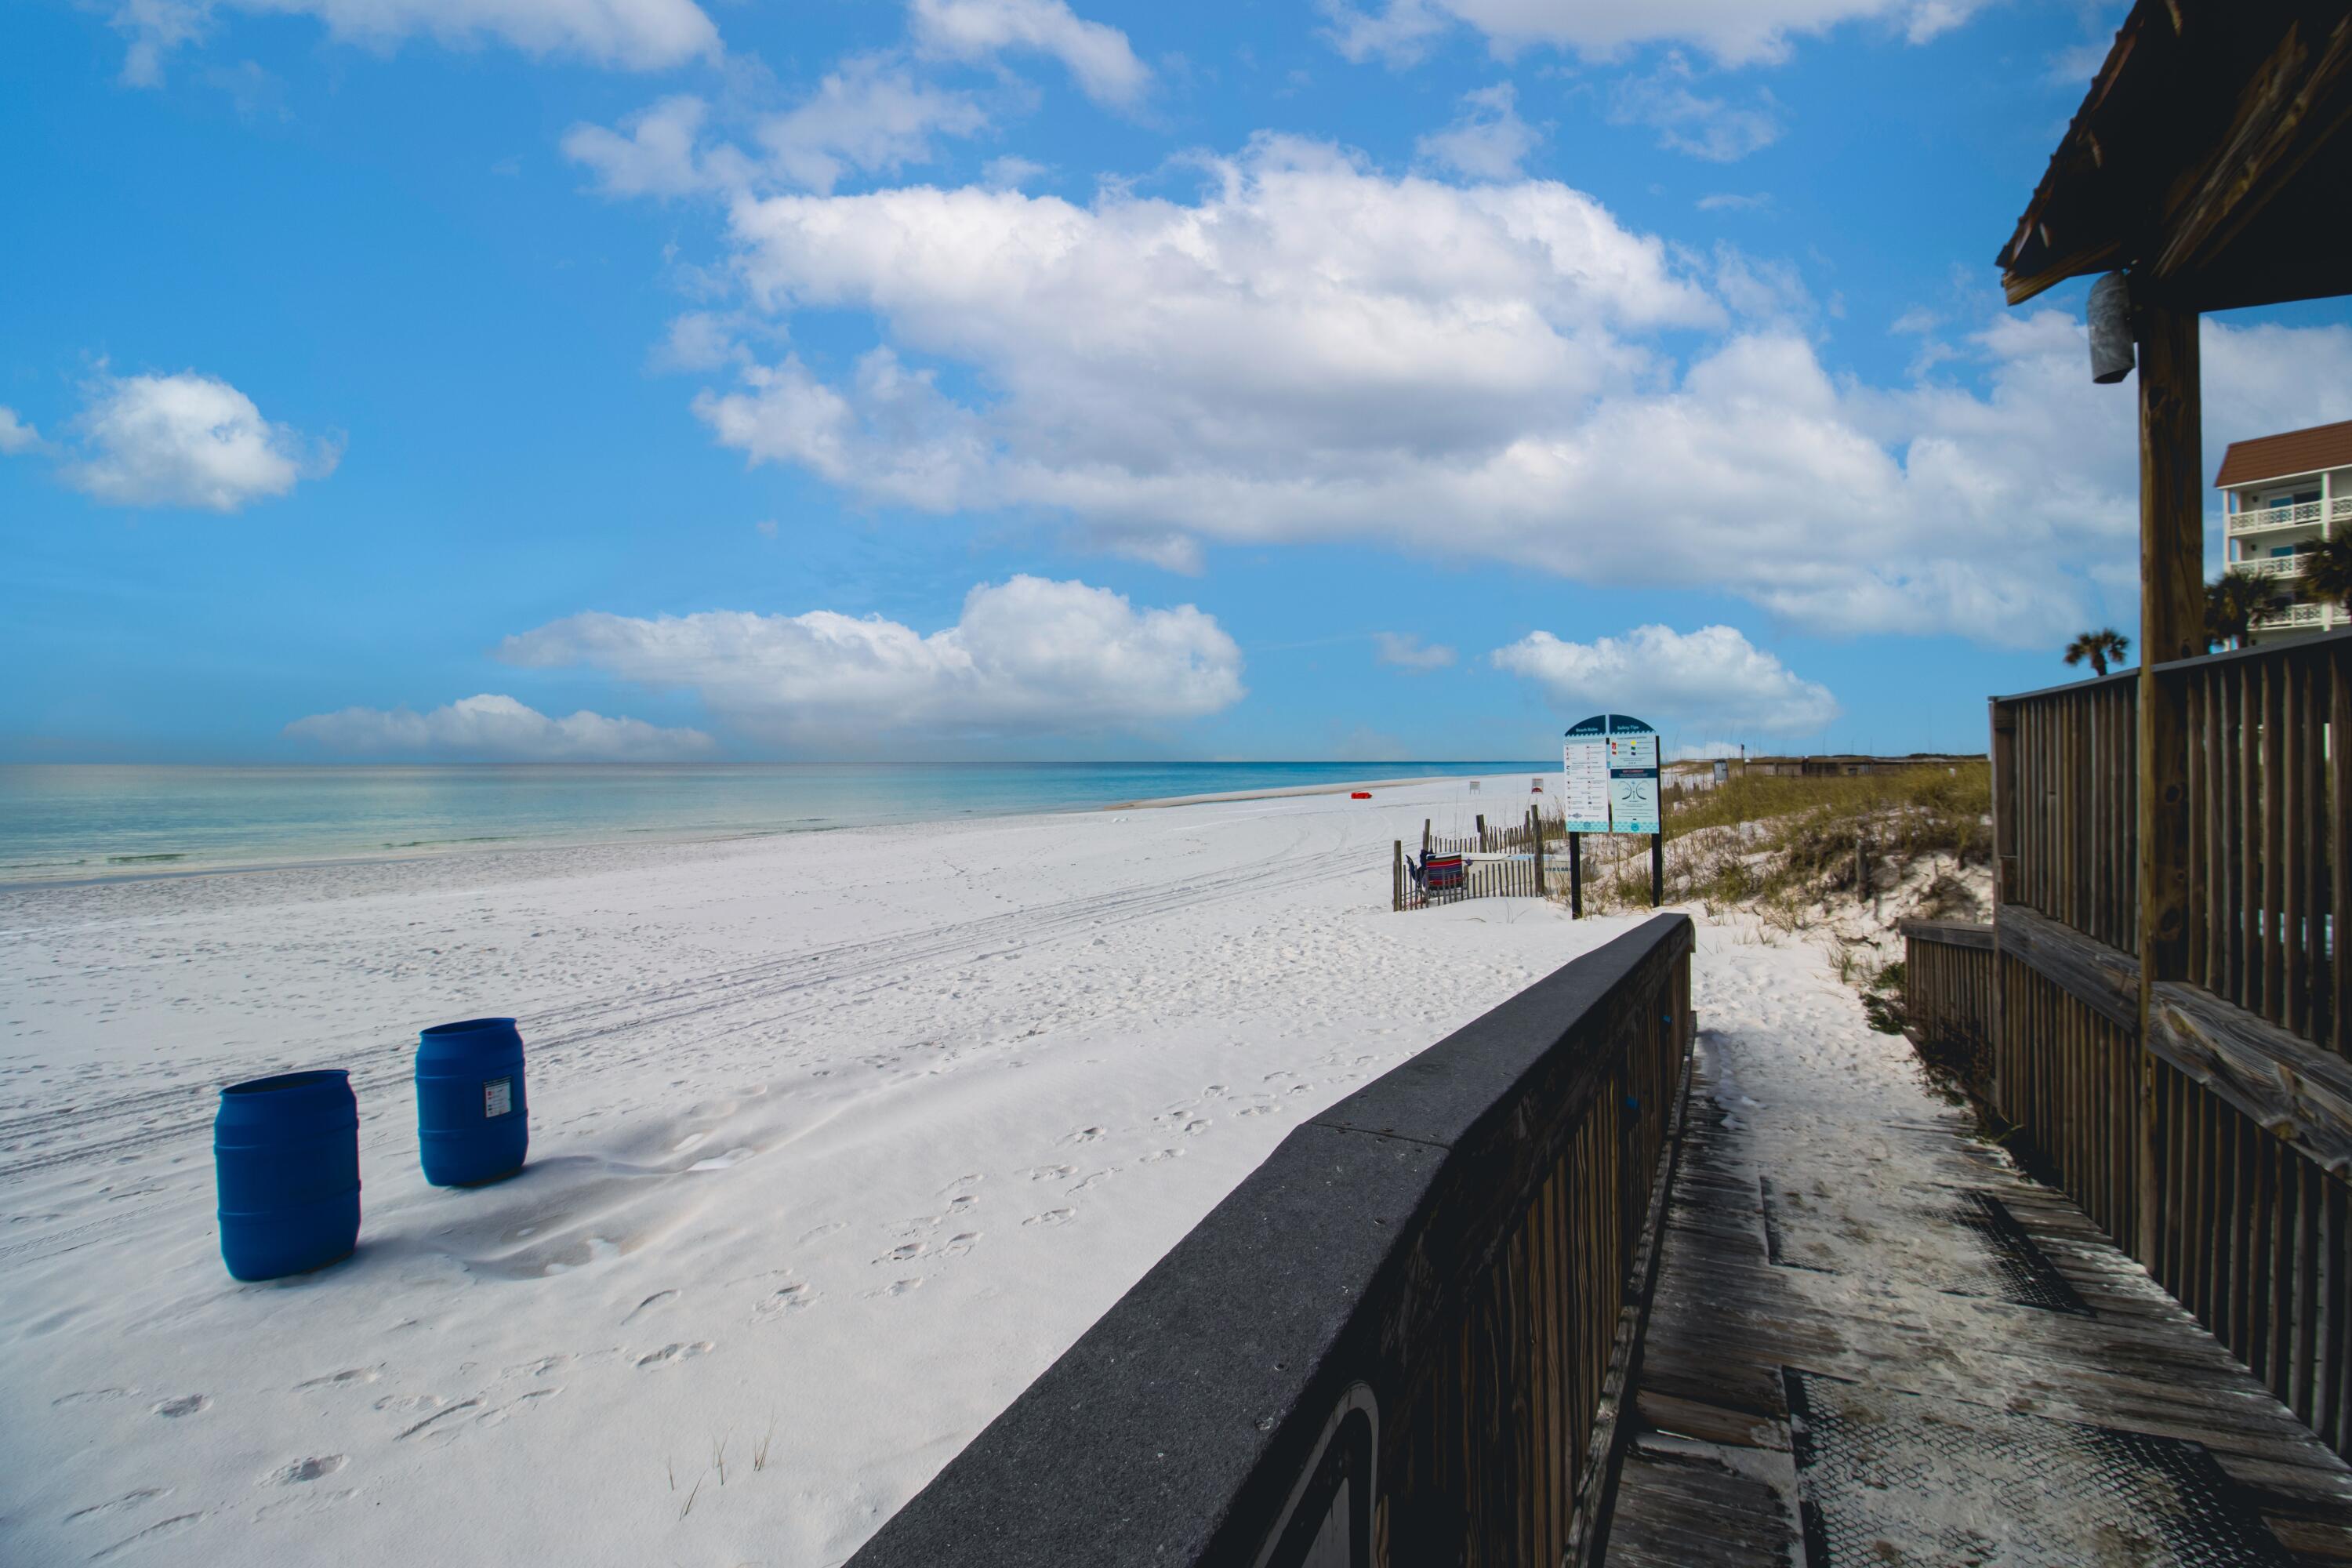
2292,616
2303,514
2270,566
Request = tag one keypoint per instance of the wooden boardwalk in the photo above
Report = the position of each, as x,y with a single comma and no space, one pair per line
1953,1368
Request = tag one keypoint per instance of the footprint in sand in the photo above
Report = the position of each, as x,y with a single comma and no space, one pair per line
1052,1217
905,1253
1048,1172
821,1232
896,1287
302,1470
655,1299
186,1405
1097,1179
1157,1155
963,1183
790,1299
1195,1126
670,1355
1083,1135
128,1500
358,1374
959,1245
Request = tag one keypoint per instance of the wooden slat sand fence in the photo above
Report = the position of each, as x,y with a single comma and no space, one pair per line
1400,1339
2169,1009
1499,862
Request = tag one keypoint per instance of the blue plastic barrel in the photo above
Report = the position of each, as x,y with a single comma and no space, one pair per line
471,1123
285,1162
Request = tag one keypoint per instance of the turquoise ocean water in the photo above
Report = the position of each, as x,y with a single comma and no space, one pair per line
69,821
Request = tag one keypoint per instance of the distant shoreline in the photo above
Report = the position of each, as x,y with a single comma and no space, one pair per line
1288,791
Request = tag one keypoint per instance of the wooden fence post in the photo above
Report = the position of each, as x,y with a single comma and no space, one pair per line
1576,876
1482,833
2171,627
1396,880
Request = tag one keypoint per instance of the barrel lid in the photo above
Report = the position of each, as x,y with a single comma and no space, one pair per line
468,1025
283,1082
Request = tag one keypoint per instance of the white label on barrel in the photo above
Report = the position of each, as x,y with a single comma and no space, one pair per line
498,1097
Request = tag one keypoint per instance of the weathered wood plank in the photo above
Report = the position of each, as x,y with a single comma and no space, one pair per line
2102,978
2294,1091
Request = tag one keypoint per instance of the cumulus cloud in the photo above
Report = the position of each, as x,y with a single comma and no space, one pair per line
1313,350
1098,56
1488,141
16,436
1407,651
1712,677
492,728
186,440
631,35
1027,657
1732,32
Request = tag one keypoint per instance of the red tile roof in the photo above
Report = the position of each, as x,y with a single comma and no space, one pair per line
2297,452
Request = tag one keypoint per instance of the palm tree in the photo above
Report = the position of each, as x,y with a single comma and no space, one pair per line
2328,570
2099,648
2232,600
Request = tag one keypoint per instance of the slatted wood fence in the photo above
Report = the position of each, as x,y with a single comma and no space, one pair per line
1948,970
2200,1113
1533,843
1401,1340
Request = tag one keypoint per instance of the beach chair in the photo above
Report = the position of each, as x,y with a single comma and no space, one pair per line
1443,874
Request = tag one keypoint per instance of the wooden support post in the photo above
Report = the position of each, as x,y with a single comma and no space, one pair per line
2171,627
1396,878
1657,869
2002,722
1482,832
1576,876
1535,836
1424,836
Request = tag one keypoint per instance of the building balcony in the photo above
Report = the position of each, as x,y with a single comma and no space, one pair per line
2303,514
2268,566
2304,617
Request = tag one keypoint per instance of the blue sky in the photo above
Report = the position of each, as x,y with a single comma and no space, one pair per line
635,378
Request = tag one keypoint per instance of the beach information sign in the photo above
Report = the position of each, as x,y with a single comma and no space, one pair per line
1584,764
1611,764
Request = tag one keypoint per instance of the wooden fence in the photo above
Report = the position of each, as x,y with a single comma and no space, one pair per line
1401,1340
1523,872
1948,980
2200,1112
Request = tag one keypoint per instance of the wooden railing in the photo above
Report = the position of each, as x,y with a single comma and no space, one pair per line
2203,1118
1948,981
1401,1340
2270,856
2063,830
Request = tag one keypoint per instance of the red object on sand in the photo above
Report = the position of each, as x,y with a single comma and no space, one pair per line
1360,795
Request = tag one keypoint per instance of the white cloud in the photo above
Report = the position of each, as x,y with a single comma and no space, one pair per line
631,35
1732,32
495,727
1407,651
1712,677
1310,350
1012,171
186,440
16,436
868,117
1488,141
659,154
1732,201
871,116
1687,121
1098,56
1027,657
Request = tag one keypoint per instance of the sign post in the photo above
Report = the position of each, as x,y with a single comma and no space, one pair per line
1609,764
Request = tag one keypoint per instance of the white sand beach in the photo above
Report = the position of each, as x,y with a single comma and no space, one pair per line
837,1140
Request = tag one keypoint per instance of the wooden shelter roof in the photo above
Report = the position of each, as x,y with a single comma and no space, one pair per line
2205,159
2280,457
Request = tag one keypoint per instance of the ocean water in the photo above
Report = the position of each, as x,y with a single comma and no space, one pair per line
60,822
